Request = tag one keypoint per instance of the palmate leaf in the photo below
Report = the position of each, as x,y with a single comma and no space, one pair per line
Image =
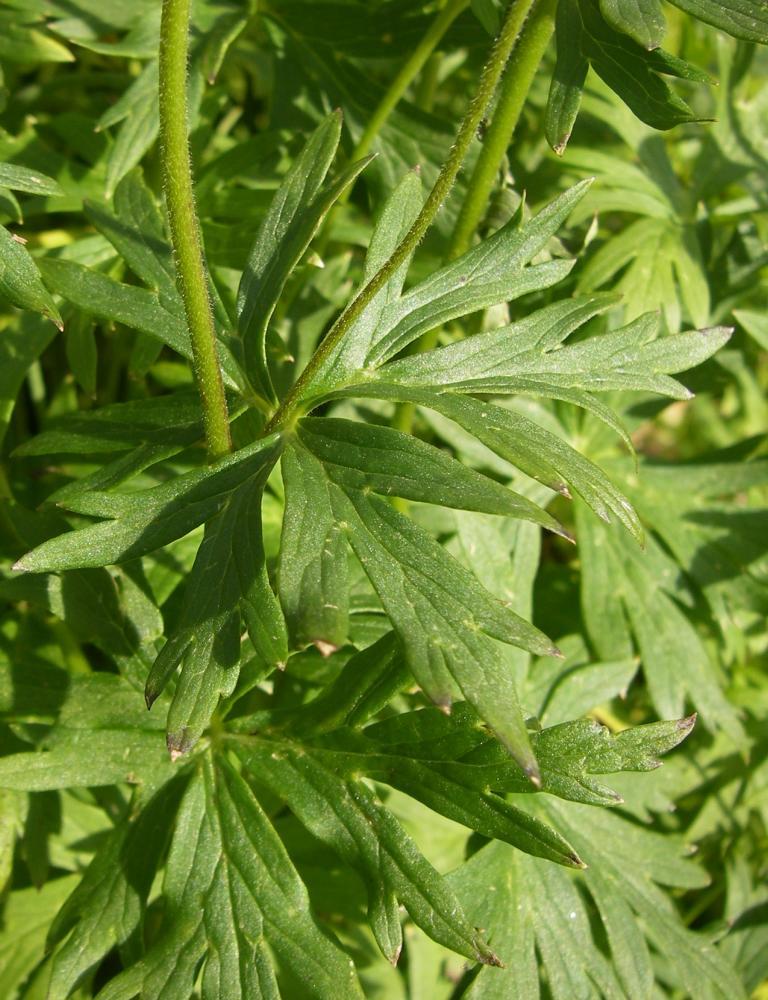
615,40
229,889
543,927
109,904
624,597
19,178
367,836
498,270
442,614
447,761
451,764
705,554
717,543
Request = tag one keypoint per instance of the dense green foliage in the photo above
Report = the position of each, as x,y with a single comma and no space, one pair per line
398,721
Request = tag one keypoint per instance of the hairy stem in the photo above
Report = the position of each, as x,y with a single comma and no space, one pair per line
513,23
515,84
513,91
407,74
191,273
418,59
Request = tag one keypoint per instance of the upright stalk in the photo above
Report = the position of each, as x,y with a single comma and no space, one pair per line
511,28
514,89
191,273
515,85
407,74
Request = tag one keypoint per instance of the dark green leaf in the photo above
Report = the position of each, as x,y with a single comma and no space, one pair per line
229,577
312,572
365,457
442,615
230,888
143,521
363,831
296,211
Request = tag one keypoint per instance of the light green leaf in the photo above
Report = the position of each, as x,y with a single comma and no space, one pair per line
628,594
26,917
20,281
539,920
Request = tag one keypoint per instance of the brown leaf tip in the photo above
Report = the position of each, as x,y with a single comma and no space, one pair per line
179,744
532,773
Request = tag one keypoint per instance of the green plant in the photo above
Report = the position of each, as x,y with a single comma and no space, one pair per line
334,553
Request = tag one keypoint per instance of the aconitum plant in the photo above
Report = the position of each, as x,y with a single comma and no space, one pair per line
363,540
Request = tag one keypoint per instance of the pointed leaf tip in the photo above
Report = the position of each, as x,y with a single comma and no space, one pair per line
532,774
687,724
179,744
484,954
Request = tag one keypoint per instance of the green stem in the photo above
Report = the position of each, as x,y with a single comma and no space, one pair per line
513,92
405,77
407,74
426,91
512,95
513,22
191,273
